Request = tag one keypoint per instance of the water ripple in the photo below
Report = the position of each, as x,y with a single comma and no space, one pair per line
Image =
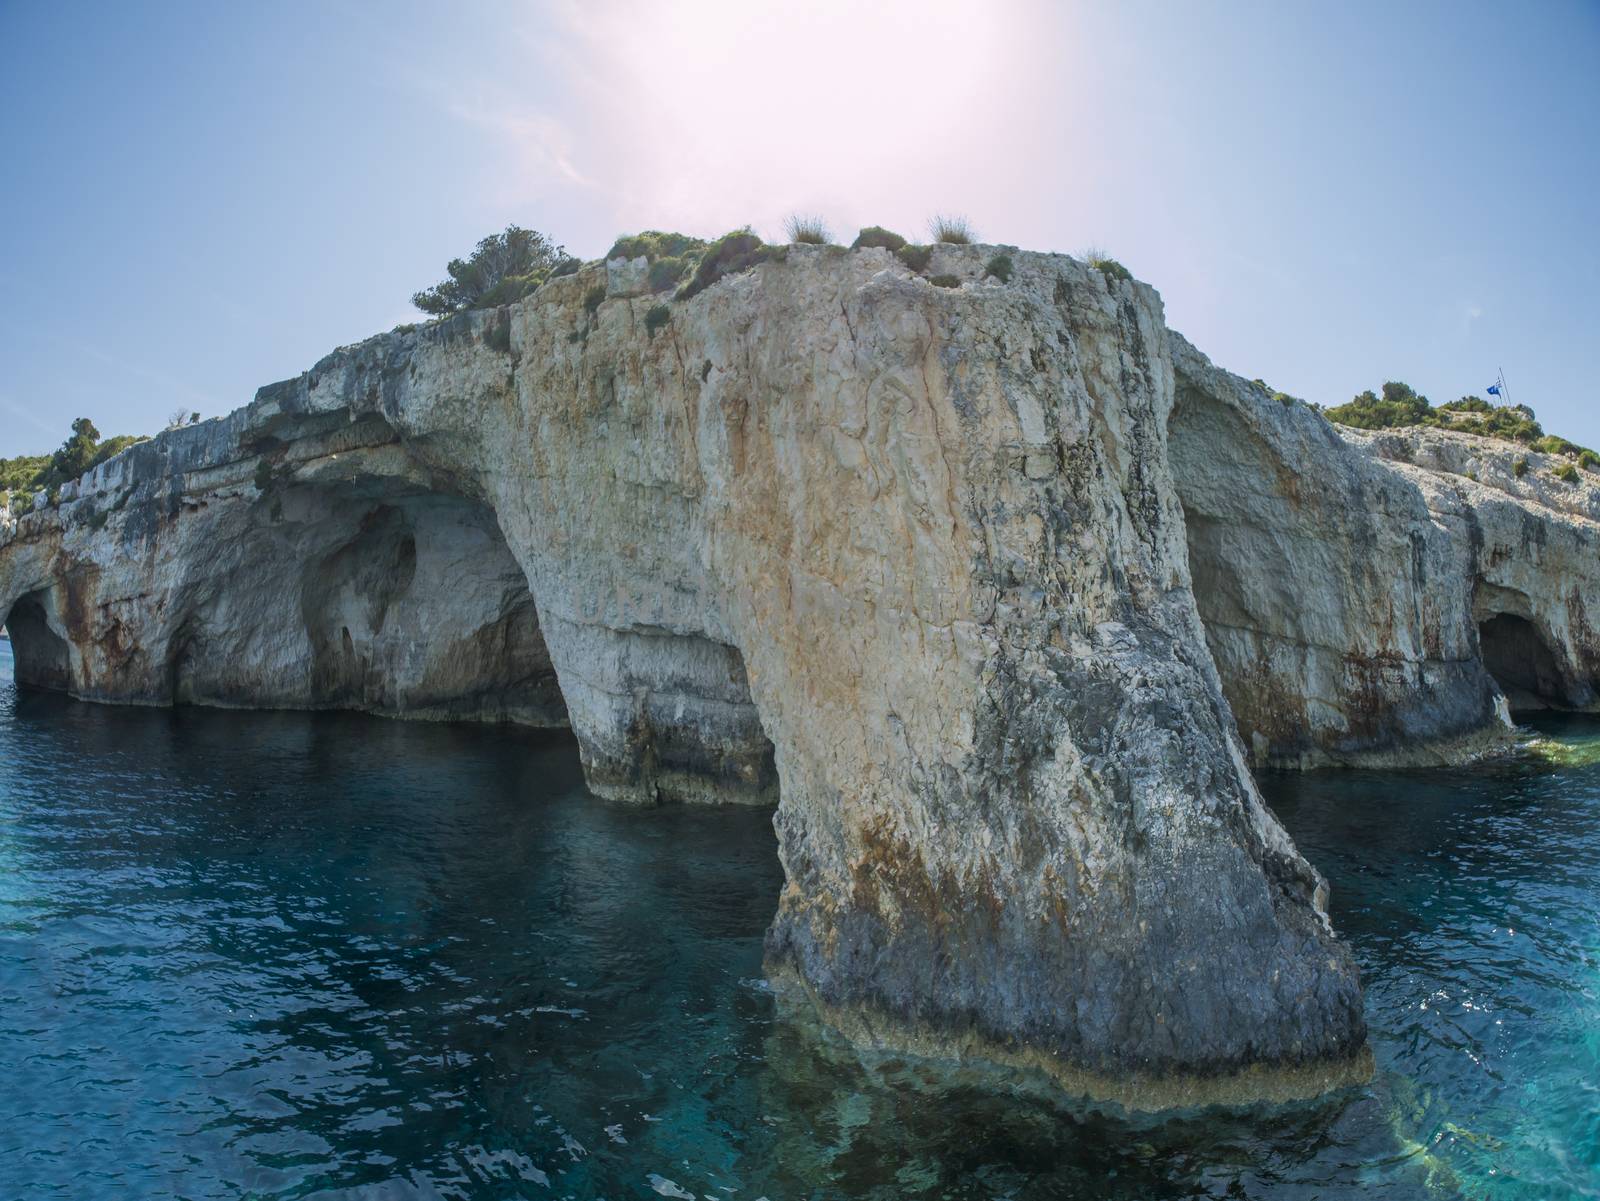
295,956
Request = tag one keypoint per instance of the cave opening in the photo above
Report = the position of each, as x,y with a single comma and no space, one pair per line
39,653
1521,662
366,591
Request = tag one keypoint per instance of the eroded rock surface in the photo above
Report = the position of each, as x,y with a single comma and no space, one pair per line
912,560
1355,586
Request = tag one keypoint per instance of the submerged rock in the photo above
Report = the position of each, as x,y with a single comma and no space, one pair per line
912,561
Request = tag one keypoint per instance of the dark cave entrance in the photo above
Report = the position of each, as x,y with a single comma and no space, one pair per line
39,653
1521,663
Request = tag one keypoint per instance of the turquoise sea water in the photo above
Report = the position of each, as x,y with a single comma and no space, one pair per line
286,955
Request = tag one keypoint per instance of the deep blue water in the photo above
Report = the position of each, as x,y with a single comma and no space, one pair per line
290,955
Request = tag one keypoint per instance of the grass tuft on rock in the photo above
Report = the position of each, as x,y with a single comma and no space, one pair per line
807,229
1567,473
956,231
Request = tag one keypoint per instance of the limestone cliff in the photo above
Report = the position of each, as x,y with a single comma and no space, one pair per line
914,561
1372,599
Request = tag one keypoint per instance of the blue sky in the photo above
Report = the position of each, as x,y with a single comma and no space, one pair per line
202,198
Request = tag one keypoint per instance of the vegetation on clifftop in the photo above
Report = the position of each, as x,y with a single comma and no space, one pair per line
1400,406
26,475
728,255
505,267
671,256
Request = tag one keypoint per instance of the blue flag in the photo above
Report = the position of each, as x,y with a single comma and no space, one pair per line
1494,389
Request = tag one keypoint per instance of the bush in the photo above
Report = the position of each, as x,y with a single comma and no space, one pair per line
1509,424
655,244
1110,268
114,446
26,473
1000,268
503,267
658,316
728,255
1467,404
1399,405
876,235
1105,264
953,230
1551,444
672,256
807,229
1567,472
594,298
665,273
945,281
915,257
1519,468
1588,460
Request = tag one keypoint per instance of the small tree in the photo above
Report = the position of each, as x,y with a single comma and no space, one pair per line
76,453
504,267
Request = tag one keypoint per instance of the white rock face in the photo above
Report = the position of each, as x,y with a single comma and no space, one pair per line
1353,586
910,560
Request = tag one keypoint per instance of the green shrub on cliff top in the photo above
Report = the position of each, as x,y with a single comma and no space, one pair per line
1552,444
25,473
876,235
671,255
728,255
1400,405
1106,265
84,450
915,257
502,268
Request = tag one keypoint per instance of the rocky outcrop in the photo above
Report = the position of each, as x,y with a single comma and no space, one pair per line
911,560
1377,599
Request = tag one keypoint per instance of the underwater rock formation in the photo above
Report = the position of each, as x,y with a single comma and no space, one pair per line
912,561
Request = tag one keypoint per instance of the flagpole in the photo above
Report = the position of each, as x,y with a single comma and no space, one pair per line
1505,392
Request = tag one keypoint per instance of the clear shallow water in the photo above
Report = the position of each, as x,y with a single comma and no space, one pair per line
284,955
